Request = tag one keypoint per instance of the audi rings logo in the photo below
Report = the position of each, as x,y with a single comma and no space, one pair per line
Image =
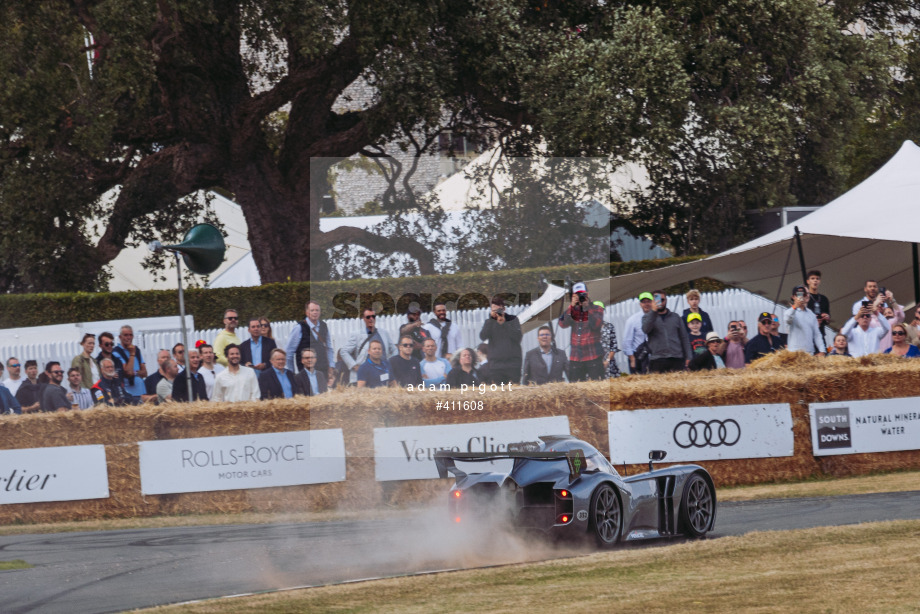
701,433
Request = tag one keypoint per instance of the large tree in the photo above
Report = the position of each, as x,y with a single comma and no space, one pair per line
118,110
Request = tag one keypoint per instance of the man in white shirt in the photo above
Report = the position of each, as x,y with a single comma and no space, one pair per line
236,382
804,333
434,368
633,334
863,339
13,381
445,333
208,368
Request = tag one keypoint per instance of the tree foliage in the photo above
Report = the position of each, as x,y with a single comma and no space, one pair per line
117,110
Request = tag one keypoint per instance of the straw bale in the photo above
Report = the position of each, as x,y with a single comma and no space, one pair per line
862,464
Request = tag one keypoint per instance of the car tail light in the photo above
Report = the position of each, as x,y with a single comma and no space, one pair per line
456,494
564,494
563,519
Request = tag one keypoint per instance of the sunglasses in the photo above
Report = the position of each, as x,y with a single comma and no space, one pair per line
107,344
898,332
405,345
370,317
57,372
17,365
232,318
266,325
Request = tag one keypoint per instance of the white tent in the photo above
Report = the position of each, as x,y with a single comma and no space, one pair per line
867,233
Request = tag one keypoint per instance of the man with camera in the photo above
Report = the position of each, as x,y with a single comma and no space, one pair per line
804,335
502,331
586,355
668,341
862,338
734,348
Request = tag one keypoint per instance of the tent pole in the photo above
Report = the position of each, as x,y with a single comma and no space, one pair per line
798,242
916,276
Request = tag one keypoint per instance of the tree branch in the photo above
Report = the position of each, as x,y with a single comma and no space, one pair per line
349,235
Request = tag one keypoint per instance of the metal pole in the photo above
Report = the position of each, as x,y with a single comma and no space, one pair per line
798,242
188,370
916,277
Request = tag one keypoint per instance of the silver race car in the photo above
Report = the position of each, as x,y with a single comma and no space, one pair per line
563,486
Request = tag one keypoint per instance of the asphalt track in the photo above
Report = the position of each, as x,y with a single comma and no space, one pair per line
113,571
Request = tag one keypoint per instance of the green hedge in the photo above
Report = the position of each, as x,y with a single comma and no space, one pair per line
286,301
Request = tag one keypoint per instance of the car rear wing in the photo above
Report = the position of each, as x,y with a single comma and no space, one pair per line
446,460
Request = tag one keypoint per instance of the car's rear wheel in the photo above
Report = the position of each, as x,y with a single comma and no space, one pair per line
606,520
697,506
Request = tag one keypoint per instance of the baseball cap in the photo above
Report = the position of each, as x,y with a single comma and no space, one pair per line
694,316
414,308
713,337
765,316
580,287
646,295
797,288
599,304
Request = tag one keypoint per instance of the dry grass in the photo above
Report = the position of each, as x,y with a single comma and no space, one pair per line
14,564
862,568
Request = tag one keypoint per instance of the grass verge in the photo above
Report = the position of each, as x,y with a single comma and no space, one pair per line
862,568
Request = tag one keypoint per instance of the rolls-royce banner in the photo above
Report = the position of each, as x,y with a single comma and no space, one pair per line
242,461
701,433
854,427
65,473
407,452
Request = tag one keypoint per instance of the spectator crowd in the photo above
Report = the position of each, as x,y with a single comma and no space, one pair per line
430,356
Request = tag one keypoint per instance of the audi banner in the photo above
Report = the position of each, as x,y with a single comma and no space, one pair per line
855,427
701,433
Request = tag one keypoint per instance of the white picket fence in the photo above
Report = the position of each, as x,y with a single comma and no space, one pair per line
722,307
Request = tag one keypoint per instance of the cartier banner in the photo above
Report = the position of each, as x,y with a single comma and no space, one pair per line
66,473
407,452
854,427
242,461
701,433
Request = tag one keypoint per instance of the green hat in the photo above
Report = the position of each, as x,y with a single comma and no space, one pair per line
599,304
646,295
694,316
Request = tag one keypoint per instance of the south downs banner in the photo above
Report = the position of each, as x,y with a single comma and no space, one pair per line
242,461
407,452
65,473
855,427
691,434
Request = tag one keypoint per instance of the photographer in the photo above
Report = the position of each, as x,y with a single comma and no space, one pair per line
804,335
734,349
586,355
668,341
502,331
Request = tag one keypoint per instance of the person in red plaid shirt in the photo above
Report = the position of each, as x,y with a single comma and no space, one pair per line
586,356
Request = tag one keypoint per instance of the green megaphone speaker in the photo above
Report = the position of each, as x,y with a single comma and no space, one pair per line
202,248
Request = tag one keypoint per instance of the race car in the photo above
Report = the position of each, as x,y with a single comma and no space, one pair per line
563,486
